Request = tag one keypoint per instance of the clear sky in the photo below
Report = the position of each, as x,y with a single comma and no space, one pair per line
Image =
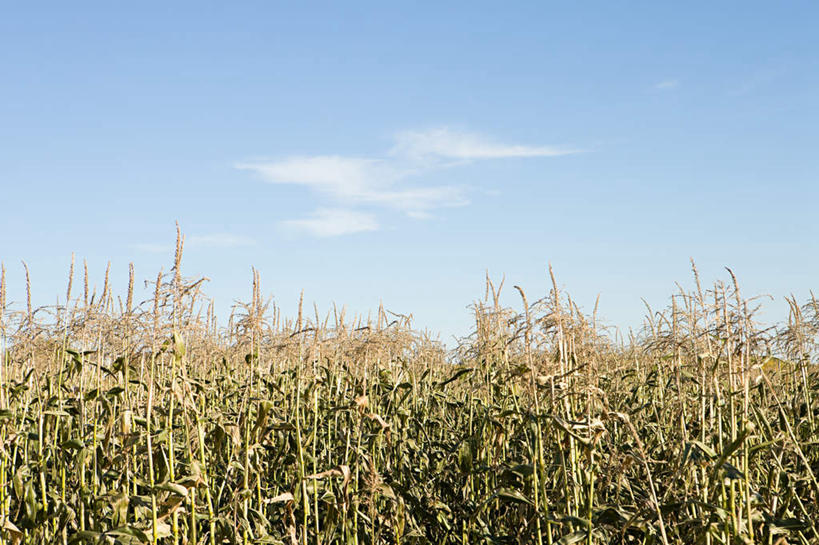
377,151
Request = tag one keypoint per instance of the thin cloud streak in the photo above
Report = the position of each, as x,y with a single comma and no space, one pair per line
333,222
449,144
667,84
334,174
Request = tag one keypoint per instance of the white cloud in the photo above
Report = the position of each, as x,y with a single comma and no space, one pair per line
332,222
445,143
355,181
385,182
419,200
667,84
341,176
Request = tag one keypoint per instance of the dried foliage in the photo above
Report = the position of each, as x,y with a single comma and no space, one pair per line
128,422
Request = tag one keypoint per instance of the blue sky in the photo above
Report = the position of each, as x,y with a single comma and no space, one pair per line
376,151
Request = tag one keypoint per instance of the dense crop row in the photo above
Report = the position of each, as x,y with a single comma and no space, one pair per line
123,423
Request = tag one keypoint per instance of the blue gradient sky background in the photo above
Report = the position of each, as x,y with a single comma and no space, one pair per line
371,151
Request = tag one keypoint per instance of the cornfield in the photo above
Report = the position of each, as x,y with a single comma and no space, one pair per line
125,422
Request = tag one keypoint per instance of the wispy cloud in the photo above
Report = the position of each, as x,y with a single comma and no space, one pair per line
354,181
332,222
214,240
449,144
333,174
667,84
387,182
